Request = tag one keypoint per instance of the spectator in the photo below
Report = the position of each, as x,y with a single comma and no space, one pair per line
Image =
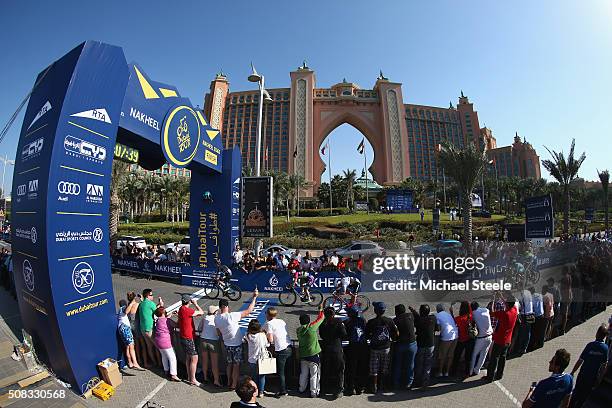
164,328
276,332
333,260
448,340
356,352
145,315
257,344
549,311
465,340
425,324
139,345
247,391
210,346
405,349
227,324
332,332
592,365
482,318
308,352
539,327
526,320
125,332
565,289
381,331
502,337
554,391
186,334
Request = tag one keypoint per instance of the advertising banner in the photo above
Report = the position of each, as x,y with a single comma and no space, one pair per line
539,218
60,230
256,211
589,214
148,267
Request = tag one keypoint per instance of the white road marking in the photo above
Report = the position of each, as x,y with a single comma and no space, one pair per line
508,394
151,394
196,295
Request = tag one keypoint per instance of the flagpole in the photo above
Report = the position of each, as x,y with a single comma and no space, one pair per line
331,211
365,168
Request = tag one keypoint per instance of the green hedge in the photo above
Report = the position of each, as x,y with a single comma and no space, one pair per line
315,212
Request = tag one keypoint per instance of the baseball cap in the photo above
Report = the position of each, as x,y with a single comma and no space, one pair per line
212,309
223,303
379,306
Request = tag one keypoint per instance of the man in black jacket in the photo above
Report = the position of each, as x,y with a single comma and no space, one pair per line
247,391
332,332
425,324
405,349
356,353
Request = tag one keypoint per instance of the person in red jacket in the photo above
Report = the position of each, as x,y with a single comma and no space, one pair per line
502,337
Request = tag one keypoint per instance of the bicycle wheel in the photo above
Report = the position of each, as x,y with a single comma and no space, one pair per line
233,292
287,298
334,302
211,292
317,297
362,302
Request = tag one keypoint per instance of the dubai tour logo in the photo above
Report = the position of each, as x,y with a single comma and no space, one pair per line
32,149
83,278
95,193
67,189
28,275
83,149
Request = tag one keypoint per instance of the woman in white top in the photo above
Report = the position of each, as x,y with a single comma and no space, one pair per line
125,332
210,345
258,343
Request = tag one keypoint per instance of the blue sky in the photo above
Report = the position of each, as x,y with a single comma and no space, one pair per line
540,68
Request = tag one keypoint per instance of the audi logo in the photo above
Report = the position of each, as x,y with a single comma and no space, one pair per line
64,187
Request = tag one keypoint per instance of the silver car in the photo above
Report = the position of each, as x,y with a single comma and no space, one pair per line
356,248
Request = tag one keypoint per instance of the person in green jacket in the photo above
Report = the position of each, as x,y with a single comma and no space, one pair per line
308,351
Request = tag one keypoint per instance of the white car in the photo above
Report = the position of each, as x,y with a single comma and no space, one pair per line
356,248
177,246
277,247
137,241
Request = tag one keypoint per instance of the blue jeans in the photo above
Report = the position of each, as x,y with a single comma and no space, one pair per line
281,359
404,360
259,379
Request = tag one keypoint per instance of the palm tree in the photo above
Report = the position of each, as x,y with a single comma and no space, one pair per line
464,166
564,170
118,174
349,178
604,177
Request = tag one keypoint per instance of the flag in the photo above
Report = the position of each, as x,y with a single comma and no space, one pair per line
295,152
324,149
361,147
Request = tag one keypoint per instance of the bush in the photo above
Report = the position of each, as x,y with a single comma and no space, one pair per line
149,218
161,238
322,212
373,203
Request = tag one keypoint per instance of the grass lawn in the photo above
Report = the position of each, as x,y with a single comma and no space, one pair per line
363,217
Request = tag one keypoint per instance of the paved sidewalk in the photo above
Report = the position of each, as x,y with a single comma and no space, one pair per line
14,376
474,393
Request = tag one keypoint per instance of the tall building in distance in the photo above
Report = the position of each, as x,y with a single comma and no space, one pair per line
404,136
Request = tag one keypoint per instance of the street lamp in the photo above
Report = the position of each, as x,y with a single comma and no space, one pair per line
263,96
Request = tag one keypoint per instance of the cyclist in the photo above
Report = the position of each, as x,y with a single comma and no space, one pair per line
301,278
224,274
348,285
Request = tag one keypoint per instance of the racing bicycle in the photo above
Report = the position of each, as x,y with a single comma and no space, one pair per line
339,301
225,289
290,295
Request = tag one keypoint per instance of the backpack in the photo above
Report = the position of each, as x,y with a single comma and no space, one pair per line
356,331
380,335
